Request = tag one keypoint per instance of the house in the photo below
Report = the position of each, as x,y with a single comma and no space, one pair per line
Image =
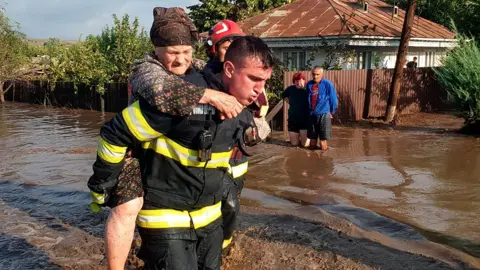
353,34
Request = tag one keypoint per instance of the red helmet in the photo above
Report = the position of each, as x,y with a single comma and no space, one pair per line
222,31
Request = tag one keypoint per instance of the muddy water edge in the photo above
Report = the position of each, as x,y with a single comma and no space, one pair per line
393,194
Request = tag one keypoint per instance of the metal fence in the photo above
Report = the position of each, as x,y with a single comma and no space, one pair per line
64,94
364,93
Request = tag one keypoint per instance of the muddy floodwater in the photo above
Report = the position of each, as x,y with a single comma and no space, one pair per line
411,185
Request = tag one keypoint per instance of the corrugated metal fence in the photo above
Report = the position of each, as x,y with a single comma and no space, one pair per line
361,93
65,95
364,93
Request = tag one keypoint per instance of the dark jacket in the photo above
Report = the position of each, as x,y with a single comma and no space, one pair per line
172,174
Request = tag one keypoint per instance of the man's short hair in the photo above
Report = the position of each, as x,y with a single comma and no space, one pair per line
319,68
248,46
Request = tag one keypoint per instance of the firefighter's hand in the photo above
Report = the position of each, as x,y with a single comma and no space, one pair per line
98,200
225,103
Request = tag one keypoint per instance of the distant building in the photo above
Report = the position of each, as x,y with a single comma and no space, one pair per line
370,30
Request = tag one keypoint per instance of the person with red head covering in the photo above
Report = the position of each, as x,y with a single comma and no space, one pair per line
297,97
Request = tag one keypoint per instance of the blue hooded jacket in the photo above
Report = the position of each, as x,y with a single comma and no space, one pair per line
327,101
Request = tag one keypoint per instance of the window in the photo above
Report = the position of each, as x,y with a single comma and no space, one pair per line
285,59
295,60
365,6
302,60
364,60
430,59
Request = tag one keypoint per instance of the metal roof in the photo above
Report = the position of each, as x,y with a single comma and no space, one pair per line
312,18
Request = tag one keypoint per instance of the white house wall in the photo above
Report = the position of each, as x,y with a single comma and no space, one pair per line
427,57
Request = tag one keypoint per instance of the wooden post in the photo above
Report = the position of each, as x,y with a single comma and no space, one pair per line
368,94
402,54
2,97
285,120
102,104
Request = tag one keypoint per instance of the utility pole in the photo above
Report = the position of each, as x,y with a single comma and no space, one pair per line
402,54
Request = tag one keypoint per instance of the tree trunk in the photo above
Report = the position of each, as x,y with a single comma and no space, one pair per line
285,120
102,104
402,54
2,96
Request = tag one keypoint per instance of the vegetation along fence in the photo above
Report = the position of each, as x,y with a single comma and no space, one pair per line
115,98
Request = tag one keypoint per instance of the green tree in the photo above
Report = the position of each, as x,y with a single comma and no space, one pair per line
209,12
274,85
460,77
80,63
121,44
464,13
13,48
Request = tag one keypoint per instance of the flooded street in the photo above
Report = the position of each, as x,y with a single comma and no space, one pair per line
428,181
406,185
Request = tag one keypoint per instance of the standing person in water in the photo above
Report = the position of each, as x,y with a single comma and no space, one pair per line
297,97
323,102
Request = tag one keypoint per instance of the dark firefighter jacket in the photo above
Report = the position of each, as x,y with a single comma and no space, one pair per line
181,173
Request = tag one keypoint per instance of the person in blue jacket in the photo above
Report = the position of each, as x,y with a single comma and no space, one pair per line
323,102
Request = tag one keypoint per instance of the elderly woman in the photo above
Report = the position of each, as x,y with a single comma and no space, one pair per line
297,97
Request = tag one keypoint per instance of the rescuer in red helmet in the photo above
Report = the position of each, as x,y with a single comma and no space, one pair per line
220,37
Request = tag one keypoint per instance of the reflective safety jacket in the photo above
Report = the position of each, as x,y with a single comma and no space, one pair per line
183,189
210,77
238,166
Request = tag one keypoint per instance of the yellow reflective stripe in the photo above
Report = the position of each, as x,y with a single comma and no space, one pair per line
163,221
187,157
137,124
263,111
109,152
239,170
168,218
227,242
206,215
97,197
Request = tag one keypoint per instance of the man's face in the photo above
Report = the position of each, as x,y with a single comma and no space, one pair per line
299,83
246,80
176,59
317,75
222,50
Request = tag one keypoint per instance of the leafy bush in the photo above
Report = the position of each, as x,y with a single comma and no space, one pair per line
274,85
460,76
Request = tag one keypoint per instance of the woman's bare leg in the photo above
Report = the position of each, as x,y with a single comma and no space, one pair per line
119,232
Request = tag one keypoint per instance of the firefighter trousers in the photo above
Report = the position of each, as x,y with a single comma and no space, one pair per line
171,252
230,205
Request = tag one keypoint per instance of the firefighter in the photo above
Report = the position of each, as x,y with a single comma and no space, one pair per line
183,162
155,78
221,35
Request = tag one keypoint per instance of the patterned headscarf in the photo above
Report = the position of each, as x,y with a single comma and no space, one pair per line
171,27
